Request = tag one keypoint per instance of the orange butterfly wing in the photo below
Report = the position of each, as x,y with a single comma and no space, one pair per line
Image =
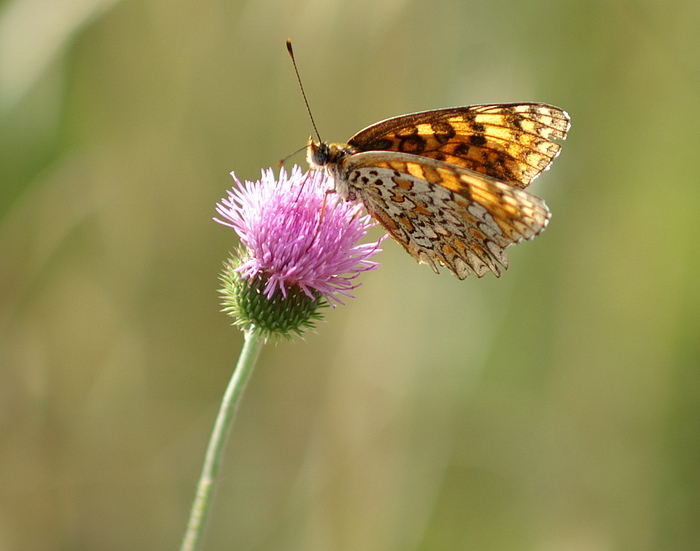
444,214
509,142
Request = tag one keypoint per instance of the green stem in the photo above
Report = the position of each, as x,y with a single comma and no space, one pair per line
203,498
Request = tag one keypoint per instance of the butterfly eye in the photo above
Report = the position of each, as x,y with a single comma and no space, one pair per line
320,153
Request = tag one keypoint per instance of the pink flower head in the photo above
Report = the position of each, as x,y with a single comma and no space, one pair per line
298,235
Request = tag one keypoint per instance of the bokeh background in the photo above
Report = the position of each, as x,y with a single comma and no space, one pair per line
555,408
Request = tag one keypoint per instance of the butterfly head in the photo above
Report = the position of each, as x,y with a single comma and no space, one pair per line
323,154
329,156
317,153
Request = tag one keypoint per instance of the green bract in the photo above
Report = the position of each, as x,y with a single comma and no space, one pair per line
245,301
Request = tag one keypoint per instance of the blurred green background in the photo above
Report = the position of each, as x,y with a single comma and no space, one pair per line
556,408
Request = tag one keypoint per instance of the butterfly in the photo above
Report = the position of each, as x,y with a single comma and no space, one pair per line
449,184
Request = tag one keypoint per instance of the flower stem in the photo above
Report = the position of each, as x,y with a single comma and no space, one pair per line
254,341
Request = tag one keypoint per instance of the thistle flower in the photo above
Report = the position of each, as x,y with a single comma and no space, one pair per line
300,250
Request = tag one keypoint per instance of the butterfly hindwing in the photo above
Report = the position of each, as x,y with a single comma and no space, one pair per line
444,214
509,142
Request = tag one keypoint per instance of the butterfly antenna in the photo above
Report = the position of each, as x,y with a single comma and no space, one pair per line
303,93
281,162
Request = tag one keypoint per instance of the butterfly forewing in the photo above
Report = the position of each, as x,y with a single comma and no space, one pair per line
508,142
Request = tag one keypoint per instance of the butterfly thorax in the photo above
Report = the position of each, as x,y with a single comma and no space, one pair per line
329,156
